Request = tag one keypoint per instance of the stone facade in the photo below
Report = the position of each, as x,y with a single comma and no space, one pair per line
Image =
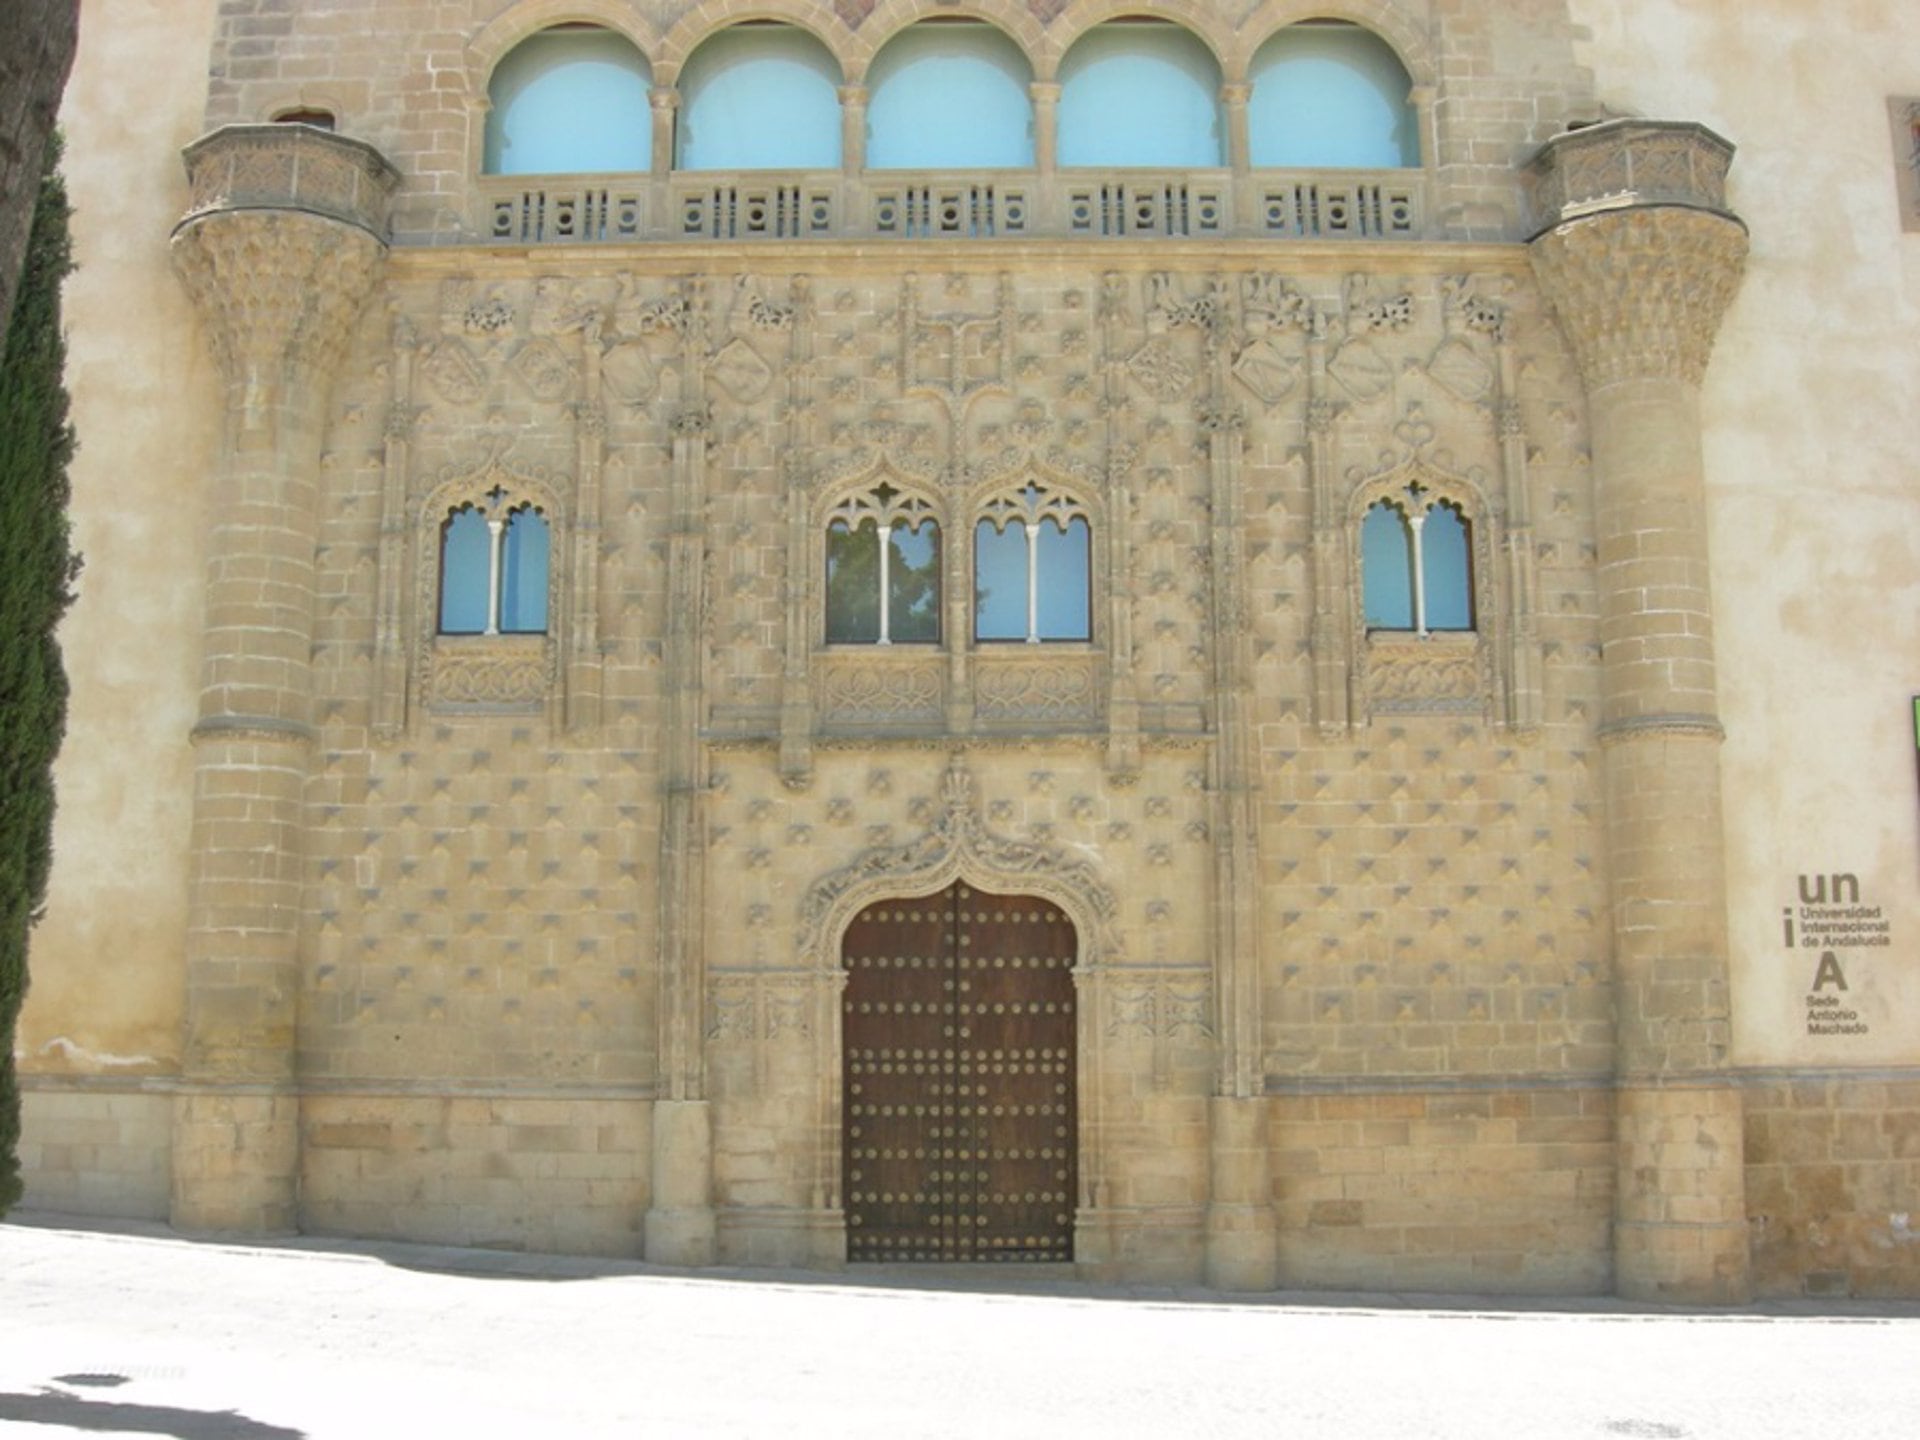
1406,960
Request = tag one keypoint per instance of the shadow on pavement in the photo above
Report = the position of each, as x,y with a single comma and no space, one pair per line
1010,1280
75,1412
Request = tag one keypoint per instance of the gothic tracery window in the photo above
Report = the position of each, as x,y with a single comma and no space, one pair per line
1416,563
494,565
883,570
1032,568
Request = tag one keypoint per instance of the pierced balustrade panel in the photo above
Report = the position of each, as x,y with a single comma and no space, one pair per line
578,210
1443,674
1332,207
784,207
1174,206
512,673
1035,685
883,687
921,207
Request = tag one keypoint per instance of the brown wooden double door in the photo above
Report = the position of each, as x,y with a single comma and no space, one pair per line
959,1071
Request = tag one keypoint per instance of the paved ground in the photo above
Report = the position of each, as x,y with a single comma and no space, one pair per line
129,1330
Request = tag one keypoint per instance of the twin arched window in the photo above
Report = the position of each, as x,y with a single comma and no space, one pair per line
494,564
1032,569
1416,563
883,571
950,94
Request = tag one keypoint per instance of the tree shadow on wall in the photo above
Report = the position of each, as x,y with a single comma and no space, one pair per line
53,1406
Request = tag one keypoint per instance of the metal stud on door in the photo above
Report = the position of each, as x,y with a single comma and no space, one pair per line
958,1041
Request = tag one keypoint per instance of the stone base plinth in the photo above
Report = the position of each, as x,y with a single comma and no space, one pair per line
236,1159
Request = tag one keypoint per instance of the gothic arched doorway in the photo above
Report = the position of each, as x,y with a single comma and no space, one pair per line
958,1045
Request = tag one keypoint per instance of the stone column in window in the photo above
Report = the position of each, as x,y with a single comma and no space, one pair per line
283,244
665,100
1640,287
1046,126
853,129
1233,105
1416,527
1033,581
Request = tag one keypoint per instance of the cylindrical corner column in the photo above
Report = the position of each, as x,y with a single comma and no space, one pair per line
1640,259
280,251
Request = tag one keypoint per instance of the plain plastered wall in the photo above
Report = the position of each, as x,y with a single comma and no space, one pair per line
107,962
1814,510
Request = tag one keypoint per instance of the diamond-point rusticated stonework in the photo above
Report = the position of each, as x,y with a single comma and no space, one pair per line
1401,957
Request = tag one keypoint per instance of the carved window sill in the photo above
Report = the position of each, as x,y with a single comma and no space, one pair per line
505,674
1047,684
881,686
1445,672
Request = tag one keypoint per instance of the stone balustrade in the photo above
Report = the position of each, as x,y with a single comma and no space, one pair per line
947,205
289,167
1626,164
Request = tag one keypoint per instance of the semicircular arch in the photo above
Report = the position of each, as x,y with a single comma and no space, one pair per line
1384,19
704,21
1201,21
1011,18
498,37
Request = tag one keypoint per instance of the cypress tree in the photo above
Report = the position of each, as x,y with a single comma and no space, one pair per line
37,570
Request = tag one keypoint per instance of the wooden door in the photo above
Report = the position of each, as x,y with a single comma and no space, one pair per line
958,1082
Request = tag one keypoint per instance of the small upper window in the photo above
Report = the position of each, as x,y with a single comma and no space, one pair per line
949,96
1032,569
883,571
1140,93
570,100
1416,564
1905,114
1328,93
318,119
759,96
493,569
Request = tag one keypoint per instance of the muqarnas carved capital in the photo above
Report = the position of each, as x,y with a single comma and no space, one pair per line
1637,250
281,244
279,291
1641,293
